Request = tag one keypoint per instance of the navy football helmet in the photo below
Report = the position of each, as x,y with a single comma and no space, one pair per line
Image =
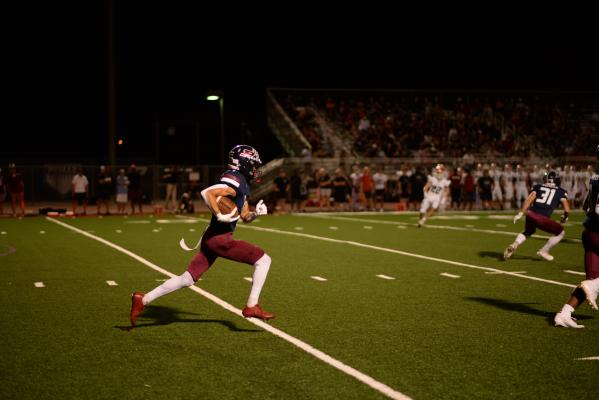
552,177
246,160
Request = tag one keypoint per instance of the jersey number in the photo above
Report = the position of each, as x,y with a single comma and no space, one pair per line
547,196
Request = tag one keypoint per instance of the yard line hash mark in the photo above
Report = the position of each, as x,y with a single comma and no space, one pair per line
574,272
112,283
385,277
354,373
450,275
247,278
39,284
318,278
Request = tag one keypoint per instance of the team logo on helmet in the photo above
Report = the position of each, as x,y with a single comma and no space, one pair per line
246,160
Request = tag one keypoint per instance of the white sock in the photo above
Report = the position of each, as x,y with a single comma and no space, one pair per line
552,241
258,279
519,240
567,309
176,282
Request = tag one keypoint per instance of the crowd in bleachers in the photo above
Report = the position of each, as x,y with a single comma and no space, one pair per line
394,124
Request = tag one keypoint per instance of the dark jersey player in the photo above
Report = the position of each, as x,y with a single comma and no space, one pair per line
218,241
589,288
541,202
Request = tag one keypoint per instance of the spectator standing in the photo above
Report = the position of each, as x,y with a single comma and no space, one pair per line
122,189
16,188
456,188
367,187
299,190
170,179
380,183
104,189
2,192
281,189
355,177
324,188
135,189
341,187
80,188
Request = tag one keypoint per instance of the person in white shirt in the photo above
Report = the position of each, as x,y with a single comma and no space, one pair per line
380,182
436,191
80,187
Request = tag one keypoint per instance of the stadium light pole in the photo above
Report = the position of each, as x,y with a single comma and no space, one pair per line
214,96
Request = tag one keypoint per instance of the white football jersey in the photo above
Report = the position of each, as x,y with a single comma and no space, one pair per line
437,186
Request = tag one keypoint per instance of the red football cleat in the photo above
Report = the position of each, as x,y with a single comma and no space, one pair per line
257,312
137,306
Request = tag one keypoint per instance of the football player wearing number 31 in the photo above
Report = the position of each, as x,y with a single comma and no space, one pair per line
218,241
541,202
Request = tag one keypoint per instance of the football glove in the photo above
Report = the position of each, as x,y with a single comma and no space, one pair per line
564,218
261,208
226,218
517,217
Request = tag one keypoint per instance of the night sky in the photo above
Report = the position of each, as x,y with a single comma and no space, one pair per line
169,55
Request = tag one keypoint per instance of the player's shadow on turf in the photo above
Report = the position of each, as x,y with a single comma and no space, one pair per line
168,315
524,308
499,256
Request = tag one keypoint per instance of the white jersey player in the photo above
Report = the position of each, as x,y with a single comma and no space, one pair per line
436,191
520,185
508,185
495,173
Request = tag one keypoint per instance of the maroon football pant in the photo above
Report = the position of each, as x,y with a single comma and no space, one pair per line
536,221
590,241
216,245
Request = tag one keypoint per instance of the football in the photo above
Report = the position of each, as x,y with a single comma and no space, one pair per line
226,205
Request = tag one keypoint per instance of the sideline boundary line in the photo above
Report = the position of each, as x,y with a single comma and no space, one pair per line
354,373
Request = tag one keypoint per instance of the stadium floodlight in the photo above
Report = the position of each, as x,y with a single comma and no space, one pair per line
215,95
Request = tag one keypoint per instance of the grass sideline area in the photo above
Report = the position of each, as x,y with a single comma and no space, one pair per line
445,323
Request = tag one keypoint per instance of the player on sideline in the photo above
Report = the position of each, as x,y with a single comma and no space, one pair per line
436,191
541,202
589,288
218,241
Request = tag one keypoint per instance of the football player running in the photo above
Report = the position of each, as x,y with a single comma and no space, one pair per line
436,191
541,202
217,240
589,288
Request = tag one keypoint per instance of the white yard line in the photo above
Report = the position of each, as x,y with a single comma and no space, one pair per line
574,272
354,373
596,358
450,275
513,272
403,253
448,227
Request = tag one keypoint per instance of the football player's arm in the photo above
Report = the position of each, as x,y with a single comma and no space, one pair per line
426,187
211,193
529,200
586,204
248,216
531,197
566,205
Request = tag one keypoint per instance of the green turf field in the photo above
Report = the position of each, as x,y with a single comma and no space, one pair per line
474,333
